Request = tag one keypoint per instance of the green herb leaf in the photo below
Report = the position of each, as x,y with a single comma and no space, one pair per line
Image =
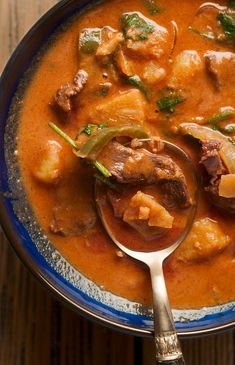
170,98
227,22
136,81
152,6
63,135
135,20
101,168
89,128
89,40
220,117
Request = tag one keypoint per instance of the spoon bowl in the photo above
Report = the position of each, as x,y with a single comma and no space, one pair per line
168,349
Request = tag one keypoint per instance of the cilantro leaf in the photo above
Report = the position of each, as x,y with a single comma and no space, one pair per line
227,22
170,98
136,21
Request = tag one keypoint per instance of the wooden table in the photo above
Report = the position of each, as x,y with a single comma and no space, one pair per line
35,328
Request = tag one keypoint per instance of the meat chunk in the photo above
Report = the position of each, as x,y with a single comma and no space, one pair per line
66,93
221,68
205,240
215,168
110,39
211,159
140,166
124,107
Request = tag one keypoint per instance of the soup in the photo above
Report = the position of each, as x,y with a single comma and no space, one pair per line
123,77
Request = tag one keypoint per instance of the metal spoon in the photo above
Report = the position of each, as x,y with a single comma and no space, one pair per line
168,349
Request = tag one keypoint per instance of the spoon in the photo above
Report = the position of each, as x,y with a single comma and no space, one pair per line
168,350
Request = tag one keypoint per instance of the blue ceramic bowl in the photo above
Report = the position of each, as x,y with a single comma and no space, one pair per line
26,236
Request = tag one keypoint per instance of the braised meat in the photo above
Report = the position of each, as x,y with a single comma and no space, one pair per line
64,96
141,166
211,159
221,68
214,166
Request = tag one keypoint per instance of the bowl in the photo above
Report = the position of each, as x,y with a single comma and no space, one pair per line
27,237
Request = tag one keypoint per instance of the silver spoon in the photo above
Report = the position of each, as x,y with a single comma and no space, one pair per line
168,350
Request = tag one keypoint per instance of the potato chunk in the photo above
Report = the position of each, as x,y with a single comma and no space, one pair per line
48,168
128,106
205,240
186,66
227,186
144,207
153,73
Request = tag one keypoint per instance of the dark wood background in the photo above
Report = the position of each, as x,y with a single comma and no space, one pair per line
35,328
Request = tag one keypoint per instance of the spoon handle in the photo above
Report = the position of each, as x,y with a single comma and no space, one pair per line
168,349
179,361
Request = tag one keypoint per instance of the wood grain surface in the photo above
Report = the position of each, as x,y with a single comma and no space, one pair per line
35,328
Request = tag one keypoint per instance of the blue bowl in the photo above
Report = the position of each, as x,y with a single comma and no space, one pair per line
26,236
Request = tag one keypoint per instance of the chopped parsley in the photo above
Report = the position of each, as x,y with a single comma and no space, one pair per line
170,98
227,22
152,6
136,27
136,81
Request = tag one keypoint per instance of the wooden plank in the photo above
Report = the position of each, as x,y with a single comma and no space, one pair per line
35,328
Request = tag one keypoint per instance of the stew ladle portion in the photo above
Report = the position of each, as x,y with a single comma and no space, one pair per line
168,350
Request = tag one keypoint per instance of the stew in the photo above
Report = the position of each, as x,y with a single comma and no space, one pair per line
113,85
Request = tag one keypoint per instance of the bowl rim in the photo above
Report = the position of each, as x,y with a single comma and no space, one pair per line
13,238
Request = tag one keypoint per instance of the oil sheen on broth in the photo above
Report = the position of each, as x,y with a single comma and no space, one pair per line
138,63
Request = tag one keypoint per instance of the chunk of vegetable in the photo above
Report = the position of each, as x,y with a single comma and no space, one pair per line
89,40
205,240
153,73
144,207
110,39
227,151
123,108
49,166
122,63
95,144
186,66
227,186
135,26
